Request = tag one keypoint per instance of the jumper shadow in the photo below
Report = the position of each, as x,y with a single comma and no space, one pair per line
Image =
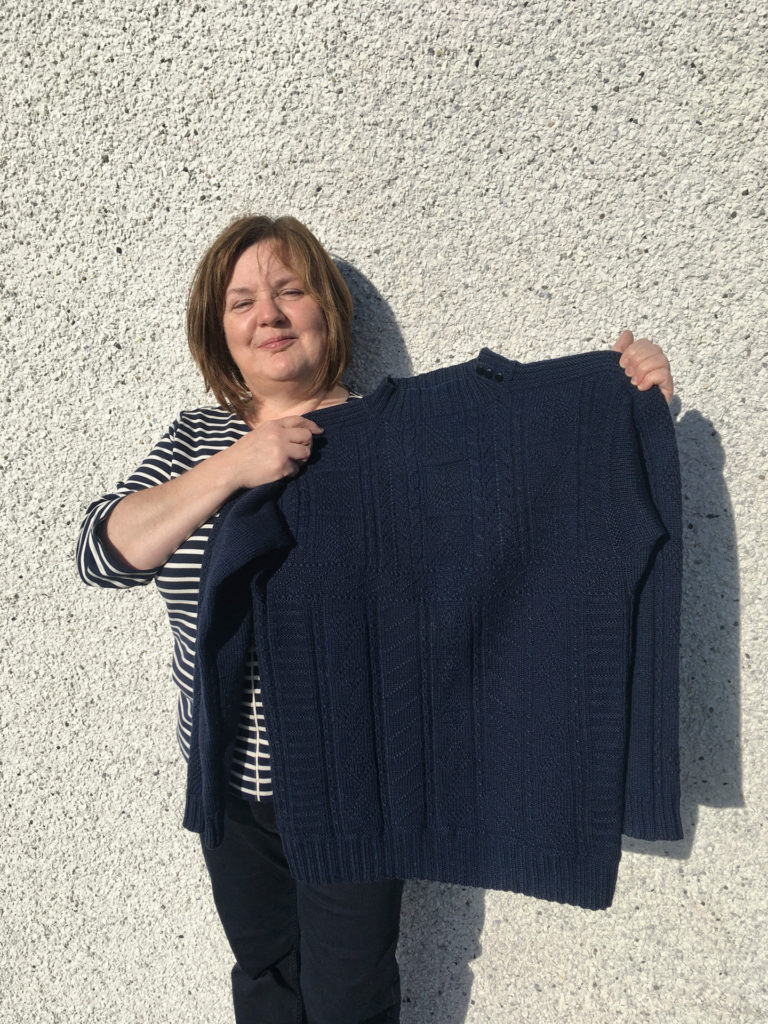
710,736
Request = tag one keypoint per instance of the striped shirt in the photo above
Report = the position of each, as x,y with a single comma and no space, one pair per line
195,435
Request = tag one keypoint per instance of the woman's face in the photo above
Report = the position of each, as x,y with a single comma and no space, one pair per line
275,331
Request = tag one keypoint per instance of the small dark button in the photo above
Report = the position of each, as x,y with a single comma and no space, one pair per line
499,375
479,368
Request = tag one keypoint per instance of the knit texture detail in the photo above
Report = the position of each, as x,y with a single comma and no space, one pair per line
466,610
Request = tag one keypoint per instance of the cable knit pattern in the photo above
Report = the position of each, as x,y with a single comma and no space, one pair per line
466,608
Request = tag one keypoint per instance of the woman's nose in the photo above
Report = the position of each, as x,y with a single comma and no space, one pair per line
268,311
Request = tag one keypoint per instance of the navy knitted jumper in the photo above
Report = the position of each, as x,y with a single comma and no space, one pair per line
466,609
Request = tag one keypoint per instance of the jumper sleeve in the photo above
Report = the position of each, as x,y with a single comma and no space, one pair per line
98,564
646,477
248,542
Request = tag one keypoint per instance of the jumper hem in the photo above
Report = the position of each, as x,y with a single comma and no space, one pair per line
488,861
480,860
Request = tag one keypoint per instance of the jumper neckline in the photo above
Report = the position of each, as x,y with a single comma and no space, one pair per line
489,373
240,423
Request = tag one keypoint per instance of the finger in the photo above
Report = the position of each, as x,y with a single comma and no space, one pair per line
299,421
300,435
625,340
649,377
658,376
298,451
639,350
653,361
642,345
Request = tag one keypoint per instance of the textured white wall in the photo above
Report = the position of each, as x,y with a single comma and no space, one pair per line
534,177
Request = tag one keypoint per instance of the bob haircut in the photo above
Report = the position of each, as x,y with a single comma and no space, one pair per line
298,248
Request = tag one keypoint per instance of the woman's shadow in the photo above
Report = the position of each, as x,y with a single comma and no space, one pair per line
442,924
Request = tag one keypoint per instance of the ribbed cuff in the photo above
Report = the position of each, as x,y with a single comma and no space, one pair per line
211,831
652,820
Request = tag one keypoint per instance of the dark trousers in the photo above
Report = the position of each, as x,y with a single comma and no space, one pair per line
305,954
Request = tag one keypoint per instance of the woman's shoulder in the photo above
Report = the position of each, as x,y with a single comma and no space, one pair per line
207,420
209,414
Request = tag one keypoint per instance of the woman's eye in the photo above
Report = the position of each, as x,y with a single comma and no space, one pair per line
293,291
242,304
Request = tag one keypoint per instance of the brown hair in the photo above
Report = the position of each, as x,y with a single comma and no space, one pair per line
298,248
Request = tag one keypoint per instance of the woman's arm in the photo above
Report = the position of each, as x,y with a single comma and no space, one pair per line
645,363
147,526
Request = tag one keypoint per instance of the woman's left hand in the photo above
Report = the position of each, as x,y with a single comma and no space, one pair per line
645,363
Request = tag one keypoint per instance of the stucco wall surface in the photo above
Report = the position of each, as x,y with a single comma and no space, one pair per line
531,176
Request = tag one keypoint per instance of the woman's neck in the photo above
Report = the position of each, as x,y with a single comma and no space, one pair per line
270,411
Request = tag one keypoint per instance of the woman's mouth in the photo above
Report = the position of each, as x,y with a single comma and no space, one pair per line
275,342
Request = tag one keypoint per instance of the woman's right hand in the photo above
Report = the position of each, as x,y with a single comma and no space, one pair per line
147,526
270,451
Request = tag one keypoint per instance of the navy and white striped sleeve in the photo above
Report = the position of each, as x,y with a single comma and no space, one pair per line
98,564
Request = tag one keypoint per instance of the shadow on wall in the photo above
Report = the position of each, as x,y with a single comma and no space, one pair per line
442,924
378,347
710,740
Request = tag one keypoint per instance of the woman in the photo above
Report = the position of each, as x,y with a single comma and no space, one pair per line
269,325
